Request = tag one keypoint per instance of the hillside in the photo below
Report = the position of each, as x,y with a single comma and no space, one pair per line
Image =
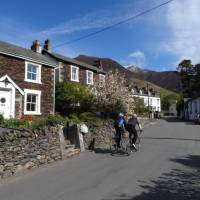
166,79
110,65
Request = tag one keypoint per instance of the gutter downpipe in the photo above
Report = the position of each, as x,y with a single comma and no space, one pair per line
54,88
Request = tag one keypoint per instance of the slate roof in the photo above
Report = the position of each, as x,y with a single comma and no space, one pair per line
76,62
26,54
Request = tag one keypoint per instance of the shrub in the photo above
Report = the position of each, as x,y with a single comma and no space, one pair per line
74,119
38,123
55,119
86,117
140,108
15,123
71,97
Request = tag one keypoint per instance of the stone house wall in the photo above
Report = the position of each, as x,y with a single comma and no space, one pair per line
15,69
65,74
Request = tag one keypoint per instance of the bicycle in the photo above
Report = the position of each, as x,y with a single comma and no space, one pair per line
137,143
124,145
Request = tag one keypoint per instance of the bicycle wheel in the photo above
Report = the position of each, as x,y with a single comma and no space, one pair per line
137,144
125,145
113,146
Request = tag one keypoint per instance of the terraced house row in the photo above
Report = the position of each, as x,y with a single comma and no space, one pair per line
28,77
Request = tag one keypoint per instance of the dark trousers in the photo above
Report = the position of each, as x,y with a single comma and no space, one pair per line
133,135
119,133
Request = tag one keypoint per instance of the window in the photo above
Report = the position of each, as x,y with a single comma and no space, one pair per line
89,77
32,72
32,102
74,73
158,102
102,81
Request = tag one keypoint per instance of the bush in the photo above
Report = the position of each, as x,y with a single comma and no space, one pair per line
55,120
15,123
72,97
38,123
86,117
74,119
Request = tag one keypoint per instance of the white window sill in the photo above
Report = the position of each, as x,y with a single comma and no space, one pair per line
32,113
32,81
90,83
75,80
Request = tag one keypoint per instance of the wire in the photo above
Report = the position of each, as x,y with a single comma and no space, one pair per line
113,25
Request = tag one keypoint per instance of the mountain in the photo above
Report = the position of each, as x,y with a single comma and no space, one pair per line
166,79
135,76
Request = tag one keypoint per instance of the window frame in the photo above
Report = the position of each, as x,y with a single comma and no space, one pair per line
38,73
77,76
101,83
87,77
38,102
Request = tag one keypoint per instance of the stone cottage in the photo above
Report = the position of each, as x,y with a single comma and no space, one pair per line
26,81
73,70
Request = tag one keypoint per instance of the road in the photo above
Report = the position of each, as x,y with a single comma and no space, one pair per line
167,167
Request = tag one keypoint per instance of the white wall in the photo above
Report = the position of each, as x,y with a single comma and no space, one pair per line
154,102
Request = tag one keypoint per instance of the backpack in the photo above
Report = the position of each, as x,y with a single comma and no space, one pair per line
119,123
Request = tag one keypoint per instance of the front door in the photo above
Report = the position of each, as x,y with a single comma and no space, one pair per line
5,103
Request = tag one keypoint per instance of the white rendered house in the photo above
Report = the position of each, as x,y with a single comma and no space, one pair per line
150,99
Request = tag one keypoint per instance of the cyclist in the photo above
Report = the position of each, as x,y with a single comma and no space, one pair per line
131,128
119,126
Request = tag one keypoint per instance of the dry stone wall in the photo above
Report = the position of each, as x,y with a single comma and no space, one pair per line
26,149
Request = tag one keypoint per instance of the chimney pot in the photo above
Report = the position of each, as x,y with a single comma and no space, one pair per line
36,46
47,45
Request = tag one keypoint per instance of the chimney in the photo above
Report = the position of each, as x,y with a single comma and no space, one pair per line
47,45
36,46
98,63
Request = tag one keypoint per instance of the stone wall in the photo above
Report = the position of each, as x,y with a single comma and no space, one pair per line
99,136
26,149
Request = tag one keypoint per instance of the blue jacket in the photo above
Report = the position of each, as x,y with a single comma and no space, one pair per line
120,121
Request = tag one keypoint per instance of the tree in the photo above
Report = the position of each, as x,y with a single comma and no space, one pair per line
73,97
140,108
168,100
187,73
114,96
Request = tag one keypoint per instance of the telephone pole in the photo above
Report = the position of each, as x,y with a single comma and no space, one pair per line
148,100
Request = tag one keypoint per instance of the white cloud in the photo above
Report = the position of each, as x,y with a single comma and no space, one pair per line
137,58
183,18
93,20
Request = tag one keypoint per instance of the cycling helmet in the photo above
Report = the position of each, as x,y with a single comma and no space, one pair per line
121,115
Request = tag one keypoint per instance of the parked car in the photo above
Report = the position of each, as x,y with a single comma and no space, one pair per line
197,119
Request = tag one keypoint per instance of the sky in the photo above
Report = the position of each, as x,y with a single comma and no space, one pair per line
156,41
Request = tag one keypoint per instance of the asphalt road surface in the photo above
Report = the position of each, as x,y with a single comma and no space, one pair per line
167,167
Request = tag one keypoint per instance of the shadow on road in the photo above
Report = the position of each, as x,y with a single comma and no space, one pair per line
178,184
118,153
169,138
102,151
